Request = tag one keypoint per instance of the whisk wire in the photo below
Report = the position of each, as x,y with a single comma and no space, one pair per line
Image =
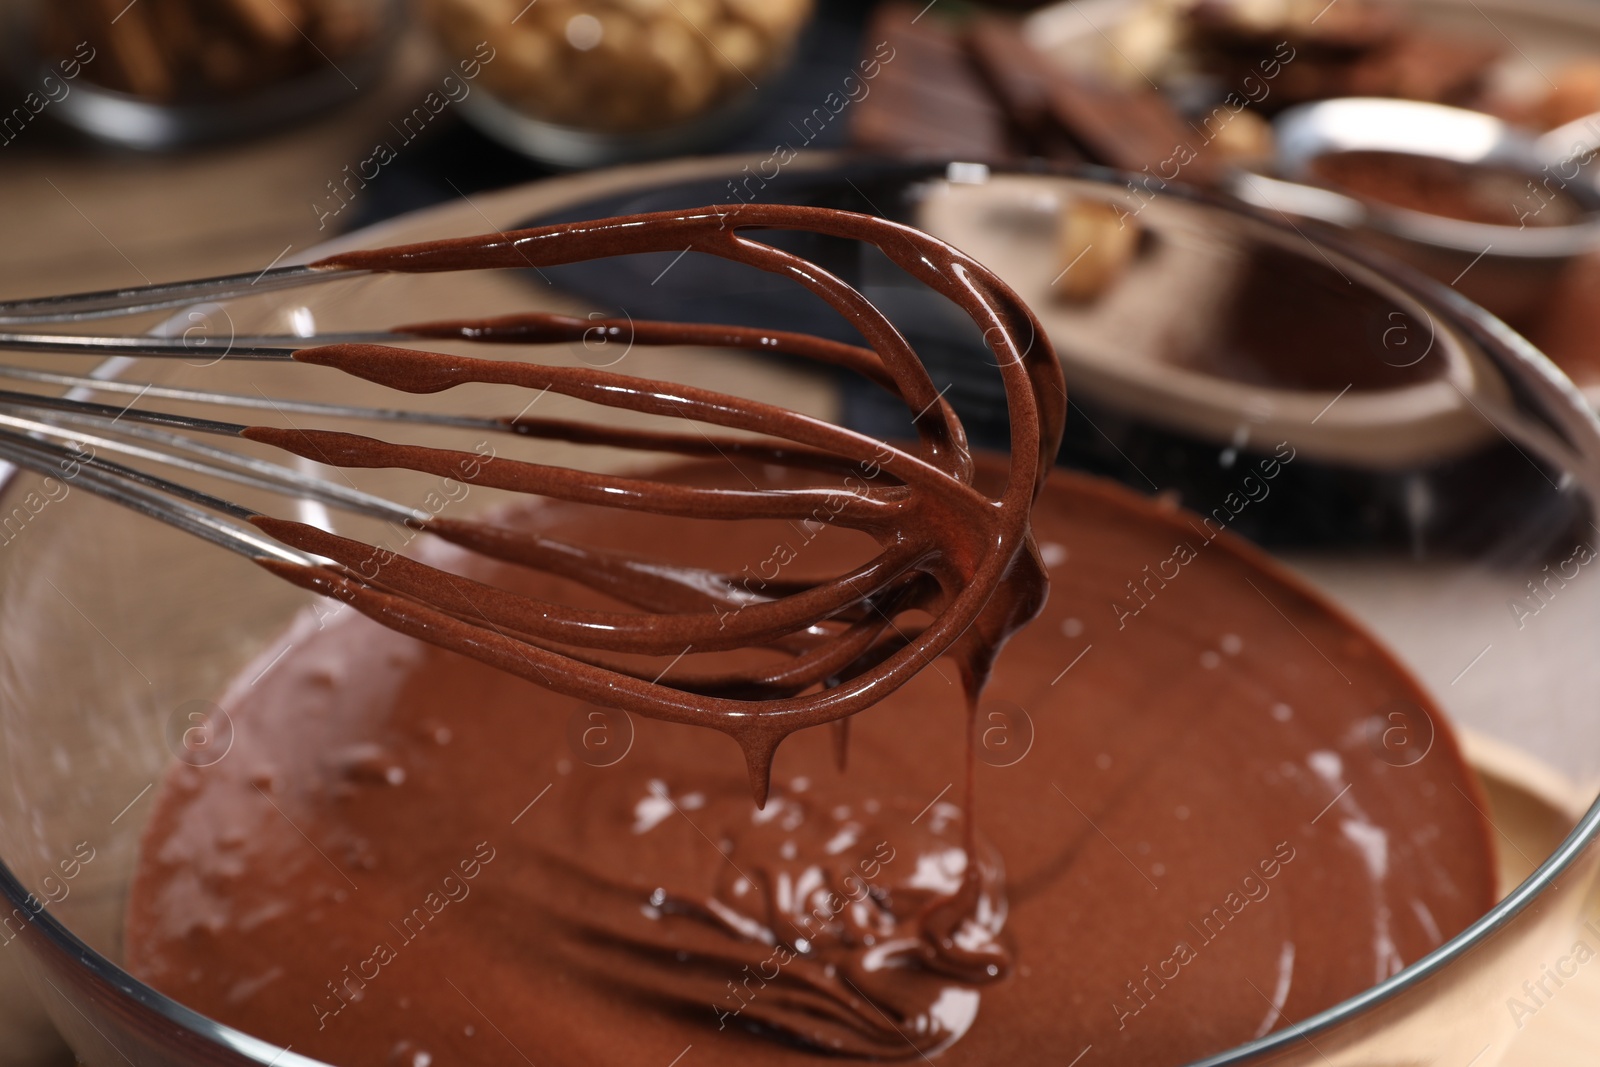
149,495
114,303
215,462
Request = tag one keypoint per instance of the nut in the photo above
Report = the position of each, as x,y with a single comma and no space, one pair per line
1094,245
1245,137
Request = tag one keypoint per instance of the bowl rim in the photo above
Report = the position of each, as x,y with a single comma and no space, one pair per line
1502,345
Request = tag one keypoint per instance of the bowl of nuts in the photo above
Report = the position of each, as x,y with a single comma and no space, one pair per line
168,73
580,83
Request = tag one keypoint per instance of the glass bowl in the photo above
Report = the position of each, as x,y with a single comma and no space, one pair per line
116,632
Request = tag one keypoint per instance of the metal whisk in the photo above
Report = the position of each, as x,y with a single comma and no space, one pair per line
945,547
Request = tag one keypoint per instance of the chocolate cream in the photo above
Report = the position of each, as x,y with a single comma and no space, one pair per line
1187,830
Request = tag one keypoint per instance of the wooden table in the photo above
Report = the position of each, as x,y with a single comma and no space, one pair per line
79,219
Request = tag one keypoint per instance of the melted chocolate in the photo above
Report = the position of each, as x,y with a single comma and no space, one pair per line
409,854
648,897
